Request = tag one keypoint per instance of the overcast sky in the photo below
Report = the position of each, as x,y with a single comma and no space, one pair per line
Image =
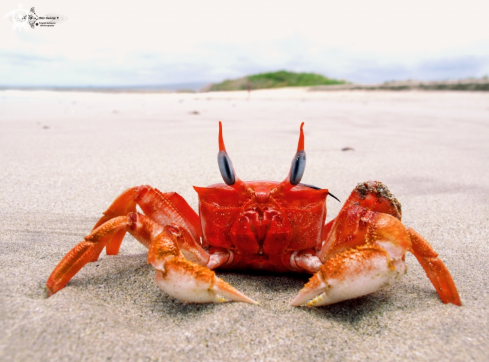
165,42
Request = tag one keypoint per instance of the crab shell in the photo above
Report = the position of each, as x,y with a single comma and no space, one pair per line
261,224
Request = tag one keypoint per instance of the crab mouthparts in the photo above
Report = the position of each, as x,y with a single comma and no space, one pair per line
260,220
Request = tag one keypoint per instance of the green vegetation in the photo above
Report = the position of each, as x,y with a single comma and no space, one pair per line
274,80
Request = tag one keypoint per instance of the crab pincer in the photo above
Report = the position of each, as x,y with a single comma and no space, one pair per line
351,274
184,279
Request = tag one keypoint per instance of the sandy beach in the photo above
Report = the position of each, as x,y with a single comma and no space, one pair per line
65,156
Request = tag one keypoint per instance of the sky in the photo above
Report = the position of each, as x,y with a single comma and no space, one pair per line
151,43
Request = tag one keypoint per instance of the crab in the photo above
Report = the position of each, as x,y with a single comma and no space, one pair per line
263,225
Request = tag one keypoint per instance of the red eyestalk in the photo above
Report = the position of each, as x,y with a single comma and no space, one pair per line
221,140
300,146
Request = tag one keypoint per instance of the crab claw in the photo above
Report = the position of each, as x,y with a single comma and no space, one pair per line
185,280
348,275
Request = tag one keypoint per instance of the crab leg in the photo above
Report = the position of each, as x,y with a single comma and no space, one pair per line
140,226
435,269
84,252
123,205
171,207
163,208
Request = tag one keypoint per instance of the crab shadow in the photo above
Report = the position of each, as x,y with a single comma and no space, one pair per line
125,271
352,311
399,297
169,307
266,282
253,284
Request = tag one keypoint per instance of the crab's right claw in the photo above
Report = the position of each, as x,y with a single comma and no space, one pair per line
186,280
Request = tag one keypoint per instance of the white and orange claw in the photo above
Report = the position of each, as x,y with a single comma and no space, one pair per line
186,280
377,263
363,269
348,275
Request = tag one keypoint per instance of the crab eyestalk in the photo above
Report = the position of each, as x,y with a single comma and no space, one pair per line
226,165
298,165
224,161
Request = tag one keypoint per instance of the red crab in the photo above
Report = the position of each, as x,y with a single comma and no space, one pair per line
263,225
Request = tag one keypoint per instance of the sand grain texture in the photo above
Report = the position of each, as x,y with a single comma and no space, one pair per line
66,156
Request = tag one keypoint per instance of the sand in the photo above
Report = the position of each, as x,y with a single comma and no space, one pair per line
65,156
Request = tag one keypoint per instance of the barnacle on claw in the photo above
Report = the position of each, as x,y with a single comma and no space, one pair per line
263,225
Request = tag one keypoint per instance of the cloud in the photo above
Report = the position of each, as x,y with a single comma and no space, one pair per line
372,71
11,58
459,67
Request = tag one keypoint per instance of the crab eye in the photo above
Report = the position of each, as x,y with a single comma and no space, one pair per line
298,167
226,168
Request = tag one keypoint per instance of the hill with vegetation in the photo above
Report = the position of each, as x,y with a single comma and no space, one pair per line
278,79
467,84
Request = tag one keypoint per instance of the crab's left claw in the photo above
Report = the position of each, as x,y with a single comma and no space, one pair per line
348,275
365,251
184,279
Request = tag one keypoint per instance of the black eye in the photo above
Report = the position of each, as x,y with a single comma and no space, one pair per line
226,168
297,168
